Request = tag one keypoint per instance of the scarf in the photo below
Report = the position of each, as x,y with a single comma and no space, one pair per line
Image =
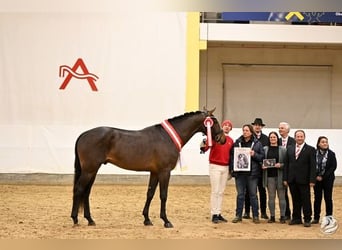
321,159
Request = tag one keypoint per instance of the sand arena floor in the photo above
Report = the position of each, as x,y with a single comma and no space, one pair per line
43,212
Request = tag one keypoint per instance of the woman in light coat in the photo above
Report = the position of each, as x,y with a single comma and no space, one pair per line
273,176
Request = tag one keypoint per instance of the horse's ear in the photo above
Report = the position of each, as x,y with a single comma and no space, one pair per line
210,112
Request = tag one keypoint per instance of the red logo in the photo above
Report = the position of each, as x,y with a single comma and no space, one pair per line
91,78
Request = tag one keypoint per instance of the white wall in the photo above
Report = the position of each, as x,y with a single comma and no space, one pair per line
139,58
140,61
271,33
268,44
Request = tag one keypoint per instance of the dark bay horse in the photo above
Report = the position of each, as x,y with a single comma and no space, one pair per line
155,149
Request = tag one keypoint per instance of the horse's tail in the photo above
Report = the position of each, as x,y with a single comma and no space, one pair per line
78,172
77,166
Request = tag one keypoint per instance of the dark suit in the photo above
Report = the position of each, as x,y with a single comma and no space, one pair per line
290,142
299,173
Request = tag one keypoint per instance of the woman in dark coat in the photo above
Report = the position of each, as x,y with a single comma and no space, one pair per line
326,166
247,179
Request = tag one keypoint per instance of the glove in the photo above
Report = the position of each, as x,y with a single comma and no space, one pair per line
202,146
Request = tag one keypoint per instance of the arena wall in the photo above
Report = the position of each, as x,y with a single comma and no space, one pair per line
65,72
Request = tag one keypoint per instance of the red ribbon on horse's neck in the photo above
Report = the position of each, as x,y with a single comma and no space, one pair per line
173,134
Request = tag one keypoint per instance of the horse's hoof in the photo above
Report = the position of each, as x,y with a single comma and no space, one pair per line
76,225
168,225
91,223
148,223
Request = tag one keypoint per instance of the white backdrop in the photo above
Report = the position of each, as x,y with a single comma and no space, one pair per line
138,58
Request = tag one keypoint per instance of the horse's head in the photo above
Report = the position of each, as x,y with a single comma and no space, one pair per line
216,130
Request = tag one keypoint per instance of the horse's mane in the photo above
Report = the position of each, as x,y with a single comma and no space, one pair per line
185,115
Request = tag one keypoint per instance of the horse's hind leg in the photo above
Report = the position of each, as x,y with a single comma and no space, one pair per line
87,215
153,182
77,202
75,207
164,179
79,197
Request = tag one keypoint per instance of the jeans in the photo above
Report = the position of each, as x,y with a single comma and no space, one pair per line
243,183
262,198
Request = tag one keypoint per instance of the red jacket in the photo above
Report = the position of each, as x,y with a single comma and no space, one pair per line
220,154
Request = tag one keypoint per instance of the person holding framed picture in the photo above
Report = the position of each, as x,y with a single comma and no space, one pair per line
246,160
272,166
258,125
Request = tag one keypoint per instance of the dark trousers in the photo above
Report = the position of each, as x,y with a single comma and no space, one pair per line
287,209
262,198
301,199
323,187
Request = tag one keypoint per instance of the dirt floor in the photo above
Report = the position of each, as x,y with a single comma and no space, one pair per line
43,212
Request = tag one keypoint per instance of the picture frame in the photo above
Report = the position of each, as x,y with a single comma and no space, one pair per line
269,163
242,159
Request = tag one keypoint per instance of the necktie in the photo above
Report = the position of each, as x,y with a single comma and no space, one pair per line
283,142
297,151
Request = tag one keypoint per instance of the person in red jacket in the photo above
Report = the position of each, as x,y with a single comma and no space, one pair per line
219,159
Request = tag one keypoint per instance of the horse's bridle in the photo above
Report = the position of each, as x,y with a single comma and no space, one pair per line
211,118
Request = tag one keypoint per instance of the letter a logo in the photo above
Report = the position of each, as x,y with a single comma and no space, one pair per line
91,78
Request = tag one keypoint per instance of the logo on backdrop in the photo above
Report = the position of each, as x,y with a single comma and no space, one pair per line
72,72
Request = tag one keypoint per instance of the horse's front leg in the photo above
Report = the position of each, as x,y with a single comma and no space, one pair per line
164,179
153,182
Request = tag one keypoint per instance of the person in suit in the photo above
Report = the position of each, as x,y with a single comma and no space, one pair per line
300,175
285,141
325,170
258,124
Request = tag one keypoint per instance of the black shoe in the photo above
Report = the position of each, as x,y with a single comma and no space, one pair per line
282,219
215,219
271,220
295,222
315,221
264,216
287,217
307,224
256,220
237,219
220,217
246,216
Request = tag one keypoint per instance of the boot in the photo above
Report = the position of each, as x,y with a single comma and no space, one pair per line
271,220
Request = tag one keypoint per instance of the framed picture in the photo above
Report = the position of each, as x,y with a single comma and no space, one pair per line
269,163
242,159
